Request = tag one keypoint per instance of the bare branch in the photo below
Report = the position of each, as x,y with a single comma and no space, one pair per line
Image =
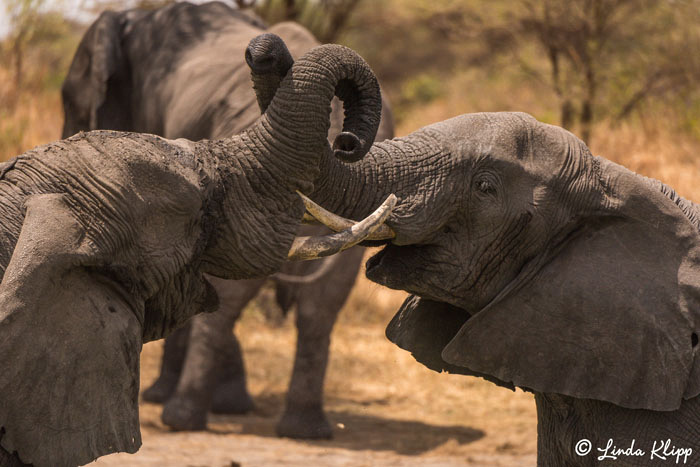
244,4
338,16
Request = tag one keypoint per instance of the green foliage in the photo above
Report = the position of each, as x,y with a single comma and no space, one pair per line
590,60
33,65
409,55
11,134
326,19
689,111
23,16
418,91
40,47
422,89
623,58
602,58
151,4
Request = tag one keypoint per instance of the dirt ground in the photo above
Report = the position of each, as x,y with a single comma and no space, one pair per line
386,409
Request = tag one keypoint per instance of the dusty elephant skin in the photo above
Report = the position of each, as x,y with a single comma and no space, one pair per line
107,237
201,88
534,264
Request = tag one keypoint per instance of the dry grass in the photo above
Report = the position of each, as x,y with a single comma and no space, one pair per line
402,389
28,118
386,409
654,151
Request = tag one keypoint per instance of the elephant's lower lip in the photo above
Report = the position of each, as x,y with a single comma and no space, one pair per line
376,268
374,243
375,261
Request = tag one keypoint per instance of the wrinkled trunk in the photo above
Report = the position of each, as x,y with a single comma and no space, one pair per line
281,153
291,135
414,168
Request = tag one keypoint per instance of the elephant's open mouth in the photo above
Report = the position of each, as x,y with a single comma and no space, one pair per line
374,243
375,260
381,269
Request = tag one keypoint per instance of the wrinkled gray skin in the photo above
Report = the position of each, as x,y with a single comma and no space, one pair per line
107,236
532,263
201,88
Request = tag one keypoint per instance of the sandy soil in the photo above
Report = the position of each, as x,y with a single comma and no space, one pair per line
386,408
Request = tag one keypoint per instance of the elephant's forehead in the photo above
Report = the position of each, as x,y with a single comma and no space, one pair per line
494,133
509,137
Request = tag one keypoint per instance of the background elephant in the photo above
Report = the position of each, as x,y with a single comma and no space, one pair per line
532,263
180,72
107,237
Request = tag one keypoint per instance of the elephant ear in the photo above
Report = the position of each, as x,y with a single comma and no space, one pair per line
97,89
69,346
614,313
424,327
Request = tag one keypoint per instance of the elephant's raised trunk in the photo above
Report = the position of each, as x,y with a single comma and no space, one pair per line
295,124
269,61
353,190
280,154
414,168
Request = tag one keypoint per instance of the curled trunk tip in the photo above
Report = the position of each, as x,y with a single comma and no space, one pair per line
301,106
269,61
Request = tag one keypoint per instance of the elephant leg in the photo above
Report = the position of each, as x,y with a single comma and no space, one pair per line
174,352
231,392
317,309
211,347
559,429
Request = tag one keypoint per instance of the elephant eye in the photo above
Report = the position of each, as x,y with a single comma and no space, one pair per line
485,187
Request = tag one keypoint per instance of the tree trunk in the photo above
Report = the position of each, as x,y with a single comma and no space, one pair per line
567,114
291,11
17,52
338,20
587,106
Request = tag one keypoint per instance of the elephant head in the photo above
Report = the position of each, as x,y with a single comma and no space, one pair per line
98,65
177,72
169,71
531,262
108,236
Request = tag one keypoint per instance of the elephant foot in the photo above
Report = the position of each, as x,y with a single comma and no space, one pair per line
304,424
182,415
231,397
162,389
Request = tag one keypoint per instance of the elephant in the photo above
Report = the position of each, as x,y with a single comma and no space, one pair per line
533,264
107,237
180,71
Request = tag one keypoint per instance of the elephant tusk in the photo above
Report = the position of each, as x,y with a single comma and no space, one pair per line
308,219
316,214
326,265
305,248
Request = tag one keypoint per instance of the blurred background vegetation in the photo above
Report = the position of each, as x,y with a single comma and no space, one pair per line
621,74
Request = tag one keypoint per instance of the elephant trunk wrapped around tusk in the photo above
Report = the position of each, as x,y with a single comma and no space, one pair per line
315,214
352,233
